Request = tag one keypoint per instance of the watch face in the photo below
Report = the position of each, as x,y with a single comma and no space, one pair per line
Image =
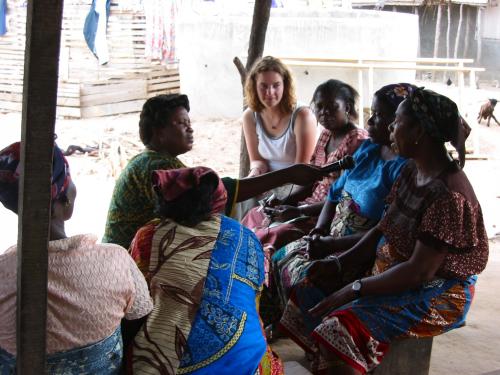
356,285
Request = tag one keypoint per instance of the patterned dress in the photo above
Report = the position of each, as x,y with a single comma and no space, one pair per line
443,214
205,282
280,234
359,195
133,202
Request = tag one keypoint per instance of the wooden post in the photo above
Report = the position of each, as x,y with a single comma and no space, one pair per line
467,33
437,35
448,31
43,33
361,96
459,29
370,81
478,36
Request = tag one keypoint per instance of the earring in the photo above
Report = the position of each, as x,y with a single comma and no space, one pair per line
347,117
67,203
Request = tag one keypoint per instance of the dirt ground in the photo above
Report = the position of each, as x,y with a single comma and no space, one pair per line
474,349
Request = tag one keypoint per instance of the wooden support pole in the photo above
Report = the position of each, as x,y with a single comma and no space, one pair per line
459,30
467,32
437,36
43,34
361,97
479,36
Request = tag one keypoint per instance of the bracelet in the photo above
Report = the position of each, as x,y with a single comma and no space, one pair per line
337,262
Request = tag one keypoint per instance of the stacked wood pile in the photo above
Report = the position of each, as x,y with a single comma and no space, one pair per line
87,89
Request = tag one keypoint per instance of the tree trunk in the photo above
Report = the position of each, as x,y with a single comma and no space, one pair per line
467,33
261,14
459,30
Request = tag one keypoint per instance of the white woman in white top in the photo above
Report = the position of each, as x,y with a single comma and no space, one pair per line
278,133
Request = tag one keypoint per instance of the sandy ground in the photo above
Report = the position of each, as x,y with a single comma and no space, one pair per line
471,350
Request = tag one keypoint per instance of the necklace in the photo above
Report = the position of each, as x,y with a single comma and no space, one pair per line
277,124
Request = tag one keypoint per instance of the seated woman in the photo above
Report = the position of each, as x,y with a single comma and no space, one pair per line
335,107
356,200
427,249
278,132
205,272
165,129
90,287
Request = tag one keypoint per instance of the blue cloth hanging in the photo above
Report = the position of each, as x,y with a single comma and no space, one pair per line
91,26
3,14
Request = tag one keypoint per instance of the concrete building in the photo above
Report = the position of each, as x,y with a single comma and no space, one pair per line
208,44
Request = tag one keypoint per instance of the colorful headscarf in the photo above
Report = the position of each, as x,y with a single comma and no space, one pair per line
174,182
436,113
10,172
395,93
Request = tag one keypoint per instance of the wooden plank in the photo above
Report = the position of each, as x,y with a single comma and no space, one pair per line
161,86
97,87
112,108
69,112
37,135
11,106
114,96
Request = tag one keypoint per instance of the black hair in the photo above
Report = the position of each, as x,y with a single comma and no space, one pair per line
191,207
156,113
334,89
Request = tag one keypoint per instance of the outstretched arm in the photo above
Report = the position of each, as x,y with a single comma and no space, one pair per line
298,174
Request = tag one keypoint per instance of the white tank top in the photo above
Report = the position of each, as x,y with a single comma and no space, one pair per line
279,152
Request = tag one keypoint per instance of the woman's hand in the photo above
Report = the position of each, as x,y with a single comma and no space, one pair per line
333,301
325,274
282,213
319,246
305,174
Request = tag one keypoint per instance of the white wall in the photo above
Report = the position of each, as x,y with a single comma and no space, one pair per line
491,22
208,44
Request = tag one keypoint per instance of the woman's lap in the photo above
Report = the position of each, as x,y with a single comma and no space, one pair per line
360,332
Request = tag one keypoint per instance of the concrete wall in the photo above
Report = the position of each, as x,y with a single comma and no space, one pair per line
208,44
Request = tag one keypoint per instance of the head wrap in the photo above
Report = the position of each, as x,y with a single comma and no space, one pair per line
395,93
10,173
436,113
173,183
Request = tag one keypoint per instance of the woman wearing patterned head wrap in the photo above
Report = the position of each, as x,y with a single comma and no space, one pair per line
356,200
90,286
205,272
428,249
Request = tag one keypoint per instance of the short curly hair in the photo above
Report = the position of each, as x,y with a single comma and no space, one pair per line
270,64
156,113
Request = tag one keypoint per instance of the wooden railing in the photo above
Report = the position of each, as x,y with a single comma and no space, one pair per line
372,64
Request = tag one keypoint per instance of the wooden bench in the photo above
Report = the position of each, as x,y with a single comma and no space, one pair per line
407,357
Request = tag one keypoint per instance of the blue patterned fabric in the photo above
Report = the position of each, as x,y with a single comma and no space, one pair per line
226,335
103,358
369,182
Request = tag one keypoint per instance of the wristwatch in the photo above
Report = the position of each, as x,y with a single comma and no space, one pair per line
356,288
